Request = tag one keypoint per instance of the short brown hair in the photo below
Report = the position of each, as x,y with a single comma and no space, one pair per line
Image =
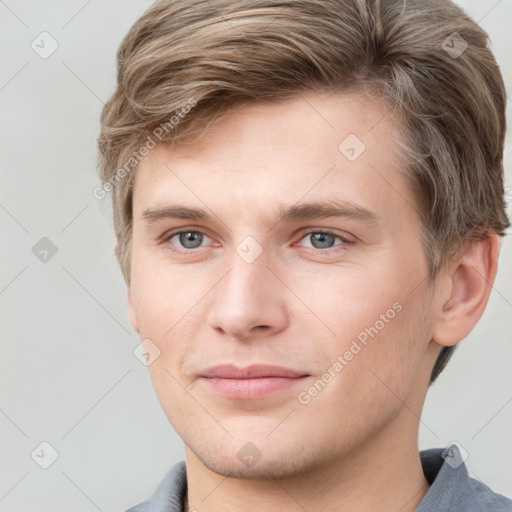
185,63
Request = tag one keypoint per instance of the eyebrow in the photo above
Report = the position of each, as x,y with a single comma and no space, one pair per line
298,212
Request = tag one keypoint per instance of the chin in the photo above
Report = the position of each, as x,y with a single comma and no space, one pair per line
259,461
274,468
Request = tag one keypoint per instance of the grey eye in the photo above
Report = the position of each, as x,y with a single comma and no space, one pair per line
191,239
322,240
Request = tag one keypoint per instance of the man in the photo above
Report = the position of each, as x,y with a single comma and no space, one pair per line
308,198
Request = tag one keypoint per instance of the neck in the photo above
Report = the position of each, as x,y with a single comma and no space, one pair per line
385,474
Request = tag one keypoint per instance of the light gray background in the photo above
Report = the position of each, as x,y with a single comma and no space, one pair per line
68,373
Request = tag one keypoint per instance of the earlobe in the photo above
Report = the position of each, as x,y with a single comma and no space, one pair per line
132,314
469,277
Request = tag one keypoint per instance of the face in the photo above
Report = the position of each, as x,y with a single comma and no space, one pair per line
278,273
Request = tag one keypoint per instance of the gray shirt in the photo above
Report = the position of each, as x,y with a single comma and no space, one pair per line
452,490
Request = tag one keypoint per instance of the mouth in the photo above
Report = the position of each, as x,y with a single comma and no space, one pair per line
252,382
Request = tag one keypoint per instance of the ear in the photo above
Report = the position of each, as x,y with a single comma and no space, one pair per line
132,314
468,281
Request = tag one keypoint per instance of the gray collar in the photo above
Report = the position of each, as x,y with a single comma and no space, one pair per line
451,490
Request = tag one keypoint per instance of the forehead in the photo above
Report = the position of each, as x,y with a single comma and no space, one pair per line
343,145
295,124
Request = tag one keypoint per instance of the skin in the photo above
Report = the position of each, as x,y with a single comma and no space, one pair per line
296,305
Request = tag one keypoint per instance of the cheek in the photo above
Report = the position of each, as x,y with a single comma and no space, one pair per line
349,302
161,295
169,312
372,380
378,332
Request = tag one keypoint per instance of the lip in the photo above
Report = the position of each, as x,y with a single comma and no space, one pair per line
230,371
252,382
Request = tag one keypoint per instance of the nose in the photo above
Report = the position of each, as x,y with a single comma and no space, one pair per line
249,302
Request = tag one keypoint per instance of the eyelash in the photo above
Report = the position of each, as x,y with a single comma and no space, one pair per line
345,241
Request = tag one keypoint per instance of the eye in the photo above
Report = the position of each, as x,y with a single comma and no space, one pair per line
187,239
322,239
